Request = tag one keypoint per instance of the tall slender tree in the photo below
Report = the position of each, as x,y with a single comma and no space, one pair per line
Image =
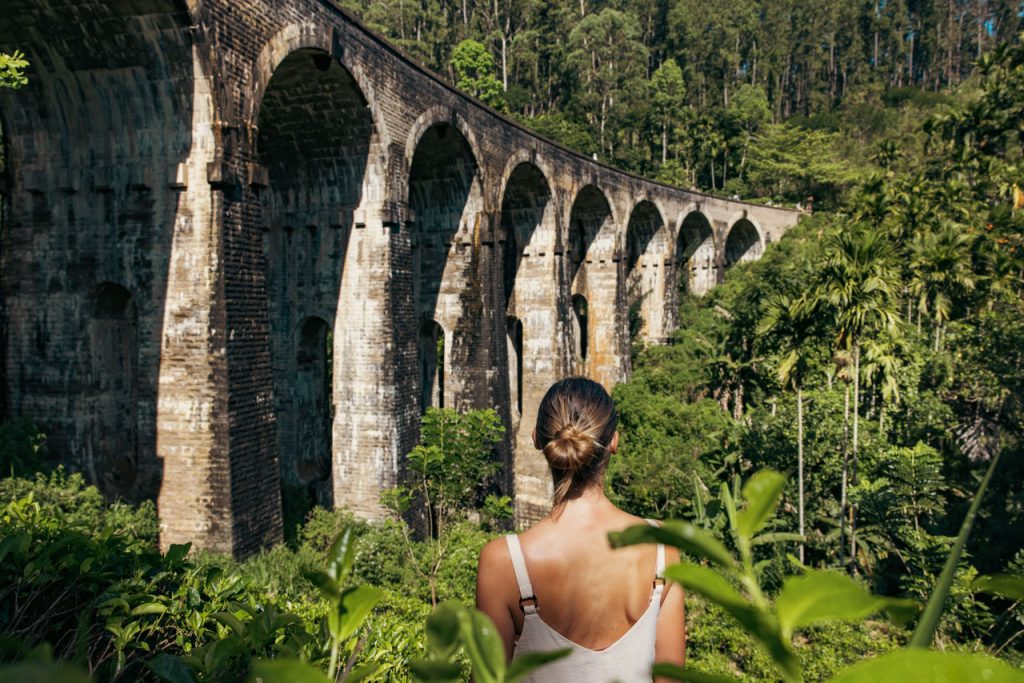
859,282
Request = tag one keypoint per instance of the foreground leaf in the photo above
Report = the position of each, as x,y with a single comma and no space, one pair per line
286,671
432,671
483,645
678,673
925,631
443,630
355,606
690,539
1007,585
761,624
819,596
763,491
341,555
528,662
915,665
170,669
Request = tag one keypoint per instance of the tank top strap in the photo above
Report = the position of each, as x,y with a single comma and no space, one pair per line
659,566
527,599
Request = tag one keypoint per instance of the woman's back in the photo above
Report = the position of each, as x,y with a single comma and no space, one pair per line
560,584
588,592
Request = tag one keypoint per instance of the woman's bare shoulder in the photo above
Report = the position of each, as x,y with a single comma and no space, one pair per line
495,560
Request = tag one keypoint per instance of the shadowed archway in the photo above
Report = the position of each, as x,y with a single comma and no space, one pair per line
743,243
315,133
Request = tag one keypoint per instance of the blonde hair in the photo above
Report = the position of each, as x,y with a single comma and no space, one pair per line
575,425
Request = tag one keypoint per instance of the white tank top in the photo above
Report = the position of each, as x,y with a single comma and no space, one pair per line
628,660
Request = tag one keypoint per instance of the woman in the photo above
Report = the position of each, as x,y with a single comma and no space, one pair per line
559,584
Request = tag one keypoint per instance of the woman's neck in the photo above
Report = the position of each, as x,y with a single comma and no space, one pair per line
588,503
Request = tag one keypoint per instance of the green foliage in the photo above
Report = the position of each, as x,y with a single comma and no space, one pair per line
22,446
452,470
474,73
12,70
453,628
790,164
733,585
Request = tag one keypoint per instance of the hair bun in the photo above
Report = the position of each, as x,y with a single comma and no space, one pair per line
571,450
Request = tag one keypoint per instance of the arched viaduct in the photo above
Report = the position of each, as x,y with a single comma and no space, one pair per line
234,234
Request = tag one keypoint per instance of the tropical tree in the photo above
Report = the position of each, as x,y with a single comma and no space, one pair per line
940,270
668,92
474,73
858,282
792,321
609,61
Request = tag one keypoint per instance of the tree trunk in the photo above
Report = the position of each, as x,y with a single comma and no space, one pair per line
800,461
856,444
846,469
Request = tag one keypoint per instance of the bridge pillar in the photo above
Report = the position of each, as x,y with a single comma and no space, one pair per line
370,407
536,304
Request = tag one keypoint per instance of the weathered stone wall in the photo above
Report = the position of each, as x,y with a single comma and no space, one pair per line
236,229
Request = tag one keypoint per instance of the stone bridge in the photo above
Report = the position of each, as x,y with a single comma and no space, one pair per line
247,242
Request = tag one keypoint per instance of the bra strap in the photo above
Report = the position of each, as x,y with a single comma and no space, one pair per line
527,599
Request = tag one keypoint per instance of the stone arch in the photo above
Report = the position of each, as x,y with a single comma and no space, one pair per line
433,117
111,444
527,222
321,39
445,198
645,252
694,253
433,353
592,272
88,143
743,242
314,139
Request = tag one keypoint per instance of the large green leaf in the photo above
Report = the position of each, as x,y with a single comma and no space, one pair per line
149,608
483,645
355,605
170,669
690,539
678,673
1007,585
762,493
327,586
916,665
819,596
42,672
758,622
706,582
528,662
231,621
361,672
443,629
435,671
286,671
341,555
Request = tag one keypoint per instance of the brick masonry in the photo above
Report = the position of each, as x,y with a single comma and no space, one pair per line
233,232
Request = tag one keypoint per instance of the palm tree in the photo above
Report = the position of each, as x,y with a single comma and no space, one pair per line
880,366
940,270
792,322
858,282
